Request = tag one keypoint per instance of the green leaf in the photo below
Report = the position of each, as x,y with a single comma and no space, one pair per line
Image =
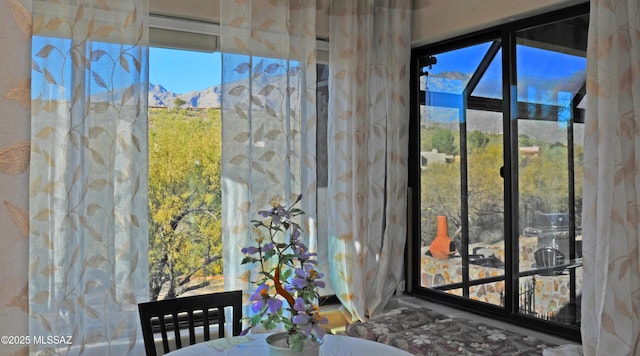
255,320
287,273
248,260
268,324
287,323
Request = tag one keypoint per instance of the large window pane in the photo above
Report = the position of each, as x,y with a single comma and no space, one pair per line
185,245
551,80
461,150
499,154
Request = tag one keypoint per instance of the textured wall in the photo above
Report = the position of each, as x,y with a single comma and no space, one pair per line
551,292
435,20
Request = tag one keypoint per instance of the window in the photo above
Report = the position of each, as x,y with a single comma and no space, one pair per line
185,244
496,171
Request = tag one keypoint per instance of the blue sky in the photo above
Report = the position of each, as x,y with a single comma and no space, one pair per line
183,71
542,74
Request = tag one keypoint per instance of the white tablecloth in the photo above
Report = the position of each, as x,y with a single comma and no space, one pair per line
256,345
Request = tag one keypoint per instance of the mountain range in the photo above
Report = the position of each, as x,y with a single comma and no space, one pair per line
205,98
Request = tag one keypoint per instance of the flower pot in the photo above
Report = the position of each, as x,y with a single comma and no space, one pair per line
278,346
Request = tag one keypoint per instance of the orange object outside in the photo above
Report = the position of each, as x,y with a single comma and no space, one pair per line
441,246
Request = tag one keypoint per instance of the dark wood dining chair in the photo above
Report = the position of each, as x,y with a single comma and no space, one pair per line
188,313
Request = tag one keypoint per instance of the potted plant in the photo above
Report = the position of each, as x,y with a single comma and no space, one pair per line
287,287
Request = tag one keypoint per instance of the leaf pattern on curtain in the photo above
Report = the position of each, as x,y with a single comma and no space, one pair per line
269,120
610,303
369,60
88,246
15,100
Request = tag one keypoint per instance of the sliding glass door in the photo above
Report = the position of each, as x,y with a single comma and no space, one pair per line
551,86
461,151
496,171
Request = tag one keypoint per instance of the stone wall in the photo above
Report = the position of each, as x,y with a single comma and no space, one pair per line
551,292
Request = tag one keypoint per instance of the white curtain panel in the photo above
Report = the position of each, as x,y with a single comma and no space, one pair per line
268,121
368,134
88,238
15,101
611,219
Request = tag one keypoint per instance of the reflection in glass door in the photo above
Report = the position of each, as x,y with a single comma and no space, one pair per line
551,69
461,150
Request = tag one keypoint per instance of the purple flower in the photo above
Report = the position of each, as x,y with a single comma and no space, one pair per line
278,214
268,247
299,305
295,232
300,319
319,331
299,286
290,288
260,296
300,280
302,251
303,276
249,250
274,305
307,324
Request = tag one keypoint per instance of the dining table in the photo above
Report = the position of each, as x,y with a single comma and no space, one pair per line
256,344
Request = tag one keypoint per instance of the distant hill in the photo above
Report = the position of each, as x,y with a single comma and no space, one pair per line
205,98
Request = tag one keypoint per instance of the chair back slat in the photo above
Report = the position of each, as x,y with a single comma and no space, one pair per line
192,311
205,316
221,322
192,327
176,330
163,331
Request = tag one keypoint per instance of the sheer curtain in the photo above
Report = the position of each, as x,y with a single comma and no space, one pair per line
611,220
368,129
88,239
268,120
15,41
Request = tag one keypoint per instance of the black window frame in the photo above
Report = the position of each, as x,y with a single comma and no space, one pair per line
506,34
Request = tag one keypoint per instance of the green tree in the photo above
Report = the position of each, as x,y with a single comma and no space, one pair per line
543,180
184,199
485,192
444,141
440,186
477,139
